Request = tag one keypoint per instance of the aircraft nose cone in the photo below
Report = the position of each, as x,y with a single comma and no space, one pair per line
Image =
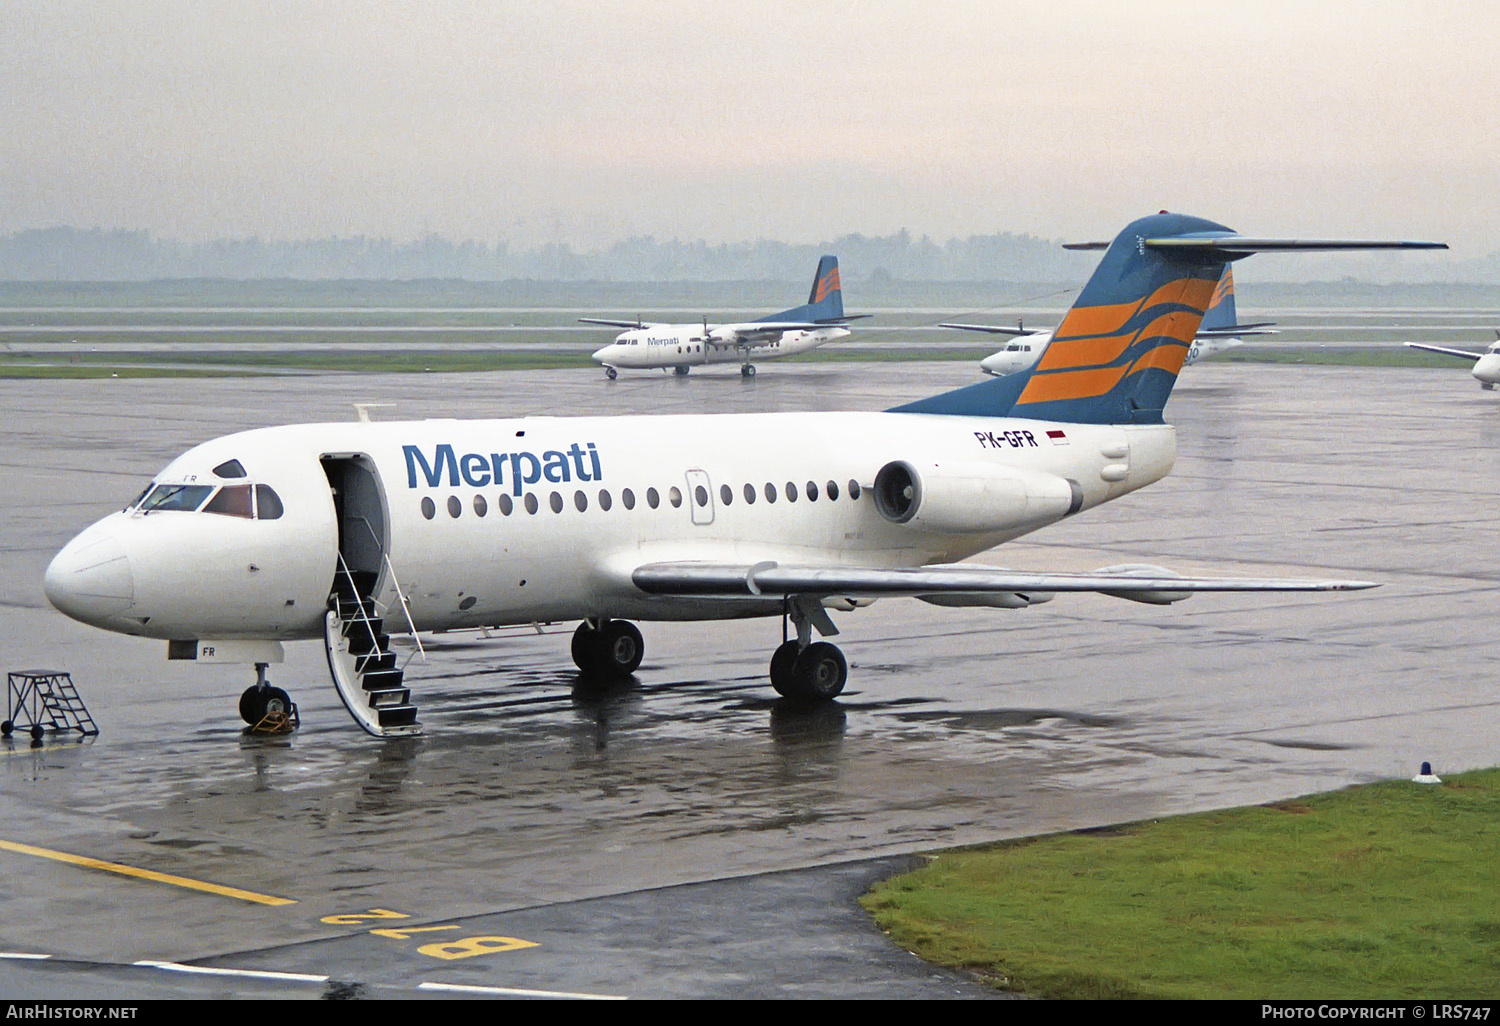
90,579
600,354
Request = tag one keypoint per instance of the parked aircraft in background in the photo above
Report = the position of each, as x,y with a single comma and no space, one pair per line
1219,331
1486,364
349,531
682,346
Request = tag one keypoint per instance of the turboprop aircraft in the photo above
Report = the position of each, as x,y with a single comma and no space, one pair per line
349,531
1486,364
1219,332
683,346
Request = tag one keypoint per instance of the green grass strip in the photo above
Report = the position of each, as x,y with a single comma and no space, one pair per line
1384,891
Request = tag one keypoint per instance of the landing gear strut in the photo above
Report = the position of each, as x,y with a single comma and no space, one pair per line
267,709
608,649
805,670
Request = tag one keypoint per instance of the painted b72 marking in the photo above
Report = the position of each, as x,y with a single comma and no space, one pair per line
461,947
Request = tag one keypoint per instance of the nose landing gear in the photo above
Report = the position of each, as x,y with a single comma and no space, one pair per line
267,709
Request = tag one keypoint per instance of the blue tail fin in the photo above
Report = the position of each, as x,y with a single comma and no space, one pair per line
1221,313
826,300
1115,357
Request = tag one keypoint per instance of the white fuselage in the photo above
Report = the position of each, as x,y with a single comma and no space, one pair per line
685,345
1026,350
495,522
1487,368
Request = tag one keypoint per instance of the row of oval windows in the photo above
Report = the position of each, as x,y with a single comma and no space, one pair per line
529,502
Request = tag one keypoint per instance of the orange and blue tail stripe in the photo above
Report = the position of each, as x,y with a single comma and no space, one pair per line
825,302
1117,353
1221,312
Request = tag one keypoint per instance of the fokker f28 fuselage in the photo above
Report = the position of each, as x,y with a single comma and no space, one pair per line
489,523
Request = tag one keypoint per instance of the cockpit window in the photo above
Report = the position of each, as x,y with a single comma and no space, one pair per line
229,469
144,492
268,503
232,501
175,497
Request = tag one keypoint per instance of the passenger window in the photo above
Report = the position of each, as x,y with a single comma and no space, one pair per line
454,506
770,492
580,501
229,469
791,491
832,490
700,495
674,496
604,500
628,498
652,498
749,493
531,503
480,506
428,509
267,503
505,504
853,488
726,494
812,491
232,501
555,501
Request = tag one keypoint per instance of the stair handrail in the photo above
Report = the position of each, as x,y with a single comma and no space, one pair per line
385,557
359,601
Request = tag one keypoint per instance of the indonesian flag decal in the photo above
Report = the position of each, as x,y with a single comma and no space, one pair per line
1057,437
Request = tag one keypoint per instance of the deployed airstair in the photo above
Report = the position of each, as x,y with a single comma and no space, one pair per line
360,657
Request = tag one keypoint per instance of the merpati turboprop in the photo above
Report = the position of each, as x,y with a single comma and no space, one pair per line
350,532
681,347
1486,364
1219,331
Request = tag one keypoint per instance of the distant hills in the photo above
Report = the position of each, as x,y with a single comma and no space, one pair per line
103,255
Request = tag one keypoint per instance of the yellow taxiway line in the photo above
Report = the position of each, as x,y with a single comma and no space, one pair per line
144,874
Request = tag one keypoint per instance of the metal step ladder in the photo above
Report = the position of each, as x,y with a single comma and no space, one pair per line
361,660
43,700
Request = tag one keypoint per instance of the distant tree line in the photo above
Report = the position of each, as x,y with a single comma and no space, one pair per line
74,254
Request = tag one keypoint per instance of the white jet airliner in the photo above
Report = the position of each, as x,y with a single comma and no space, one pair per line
682,346
1219,332
349,531
1486,364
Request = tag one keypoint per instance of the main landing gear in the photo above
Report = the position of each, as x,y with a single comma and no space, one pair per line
680,370
266,708
747,371
805,670
607,649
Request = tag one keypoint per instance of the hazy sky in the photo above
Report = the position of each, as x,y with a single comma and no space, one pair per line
587,122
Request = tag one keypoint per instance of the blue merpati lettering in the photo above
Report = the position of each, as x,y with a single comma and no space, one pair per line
475,469
479,470
532,476
433,473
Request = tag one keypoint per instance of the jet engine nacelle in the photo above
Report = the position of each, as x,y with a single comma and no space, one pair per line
972,497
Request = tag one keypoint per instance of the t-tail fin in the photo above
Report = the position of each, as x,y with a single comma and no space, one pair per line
1221,313
1116,355
825,302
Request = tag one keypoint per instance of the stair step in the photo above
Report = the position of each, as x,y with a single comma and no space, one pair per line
389,698
372,661
375,680
397,716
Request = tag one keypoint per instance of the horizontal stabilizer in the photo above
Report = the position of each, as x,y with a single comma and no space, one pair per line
1231,246
773,580
1236,330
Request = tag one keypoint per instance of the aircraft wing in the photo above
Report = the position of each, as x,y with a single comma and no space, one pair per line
994,329
619,324
758,332
1445,351
769,579
1236,330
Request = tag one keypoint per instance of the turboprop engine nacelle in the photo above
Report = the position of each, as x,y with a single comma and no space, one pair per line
972,497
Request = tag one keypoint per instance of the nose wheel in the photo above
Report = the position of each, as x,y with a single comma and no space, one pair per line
611,373
267,709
